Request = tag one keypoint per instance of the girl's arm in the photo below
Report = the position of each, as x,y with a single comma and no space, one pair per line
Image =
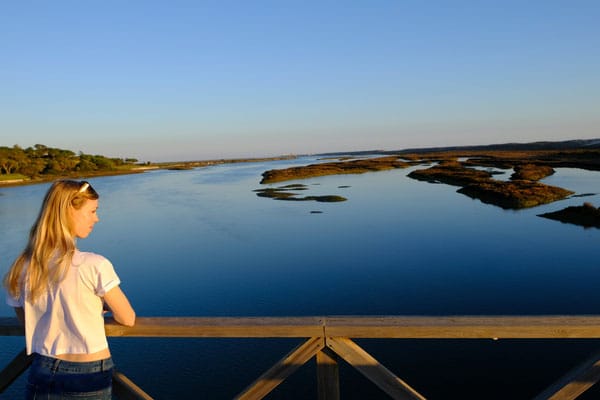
122,311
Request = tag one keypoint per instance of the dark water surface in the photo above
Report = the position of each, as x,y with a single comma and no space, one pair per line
201,243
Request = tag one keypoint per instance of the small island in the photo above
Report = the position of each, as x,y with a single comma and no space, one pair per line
471,169
531,172
451,172
515,194
287,193
333,168
586,215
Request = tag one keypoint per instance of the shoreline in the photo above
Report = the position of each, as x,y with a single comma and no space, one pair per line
138,169
40,180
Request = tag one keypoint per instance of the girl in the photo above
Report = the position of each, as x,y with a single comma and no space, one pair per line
59,293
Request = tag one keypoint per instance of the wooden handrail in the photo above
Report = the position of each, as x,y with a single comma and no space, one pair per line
465,327
329,340
391,327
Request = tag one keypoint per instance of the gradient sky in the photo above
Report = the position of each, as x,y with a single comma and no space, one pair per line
192,80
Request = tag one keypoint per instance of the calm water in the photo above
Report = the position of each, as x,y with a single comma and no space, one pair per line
201,243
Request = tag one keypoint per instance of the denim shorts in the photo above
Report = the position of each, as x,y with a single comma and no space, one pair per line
53,379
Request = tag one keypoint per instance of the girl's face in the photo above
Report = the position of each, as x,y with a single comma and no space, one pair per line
84,219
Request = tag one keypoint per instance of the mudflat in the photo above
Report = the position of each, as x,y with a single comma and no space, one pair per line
458,168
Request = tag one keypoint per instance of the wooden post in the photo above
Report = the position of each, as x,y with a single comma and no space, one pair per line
14,369
328,375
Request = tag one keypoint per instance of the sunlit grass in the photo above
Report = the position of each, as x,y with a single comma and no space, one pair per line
12,177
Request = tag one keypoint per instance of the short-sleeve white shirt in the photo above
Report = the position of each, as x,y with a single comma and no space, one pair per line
68,318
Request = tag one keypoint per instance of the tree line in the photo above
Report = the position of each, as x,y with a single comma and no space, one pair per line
42,160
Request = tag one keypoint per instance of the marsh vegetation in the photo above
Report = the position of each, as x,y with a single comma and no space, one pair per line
462,168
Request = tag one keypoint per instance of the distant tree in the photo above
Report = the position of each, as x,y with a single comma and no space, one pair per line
103,163
60,161
85,163
33,168
7,160
43,160
12,159
35,162
117,161
39,150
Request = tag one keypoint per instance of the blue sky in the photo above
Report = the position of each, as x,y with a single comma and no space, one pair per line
191,80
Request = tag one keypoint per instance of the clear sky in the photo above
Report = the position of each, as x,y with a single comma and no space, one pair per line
191,80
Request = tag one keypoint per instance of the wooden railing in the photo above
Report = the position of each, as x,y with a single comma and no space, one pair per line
330,338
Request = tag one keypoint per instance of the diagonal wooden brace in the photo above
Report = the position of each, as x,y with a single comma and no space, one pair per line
14,369
353,354
125,389
574,382
284,368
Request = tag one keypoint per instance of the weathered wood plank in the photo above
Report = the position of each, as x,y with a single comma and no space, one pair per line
14,369
284,368
125,389
225,327
395,387
328,375
574,382
412,327
465,327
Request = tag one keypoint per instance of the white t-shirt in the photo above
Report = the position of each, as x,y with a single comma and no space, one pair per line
68,319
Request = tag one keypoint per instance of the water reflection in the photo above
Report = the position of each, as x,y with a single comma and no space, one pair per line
201,243
204,238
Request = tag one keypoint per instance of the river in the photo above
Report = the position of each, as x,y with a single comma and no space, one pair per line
202,243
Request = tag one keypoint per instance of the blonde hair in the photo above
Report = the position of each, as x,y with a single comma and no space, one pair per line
51,244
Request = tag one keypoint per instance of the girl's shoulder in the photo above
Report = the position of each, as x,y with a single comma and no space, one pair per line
82,258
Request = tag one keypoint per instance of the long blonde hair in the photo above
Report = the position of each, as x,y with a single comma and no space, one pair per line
51,244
